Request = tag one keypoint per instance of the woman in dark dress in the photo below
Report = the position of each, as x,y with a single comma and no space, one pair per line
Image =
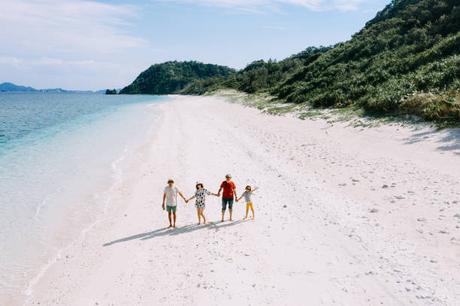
200,201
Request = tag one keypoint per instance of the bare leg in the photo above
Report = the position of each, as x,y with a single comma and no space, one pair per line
169,218
202,215
223,213
174,219
247,210
199,215
252,209
230,211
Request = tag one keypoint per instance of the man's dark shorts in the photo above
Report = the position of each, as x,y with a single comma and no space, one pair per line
226,202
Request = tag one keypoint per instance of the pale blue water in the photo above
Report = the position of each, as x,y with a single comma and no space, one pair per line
59,156
30,114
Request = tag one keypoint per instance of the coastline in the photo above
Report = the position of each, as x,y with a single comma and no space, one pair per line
64,194
118,168
341,211
354,116
117,179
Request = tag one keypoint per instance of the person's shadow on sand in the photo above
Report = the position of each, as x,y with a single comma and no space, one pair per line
167,231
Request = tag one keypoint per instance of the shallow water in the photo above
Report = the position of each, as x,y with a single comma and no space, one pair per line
59,156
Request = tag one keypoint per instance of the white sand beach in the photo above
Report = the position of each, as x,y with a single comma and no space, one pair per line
344,216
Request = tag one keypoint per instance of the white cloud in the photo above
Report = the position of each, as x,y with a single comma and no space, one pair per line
258,5
55,37
64,26
347,5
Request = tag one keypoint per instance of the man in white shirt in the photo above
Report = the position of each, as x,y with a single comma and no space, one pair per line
170,199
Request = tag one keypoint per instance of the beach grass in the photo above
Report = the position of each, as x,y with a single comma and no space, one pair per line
356,116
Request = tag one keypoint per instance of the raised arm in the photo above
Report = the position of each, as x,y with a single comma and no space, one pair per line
190,199
237,199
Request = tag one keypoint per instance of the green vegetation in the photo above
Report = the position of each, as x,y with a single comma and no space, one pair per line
172,77
110,91
409,49
354,115
259,76
404,61
261,101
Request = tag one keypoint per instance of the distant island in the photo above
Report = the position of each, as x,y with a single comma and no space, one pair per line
11,87
404,61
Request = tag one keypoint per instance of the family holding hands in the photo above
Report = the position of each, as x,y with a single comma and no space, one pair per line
228,189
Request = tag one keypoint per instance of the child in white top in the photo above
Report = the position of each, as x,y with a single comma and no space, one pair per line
247,194
170,201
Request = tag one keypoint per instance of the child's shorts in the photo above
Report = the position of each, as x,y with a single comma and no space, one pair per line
171,209
249,205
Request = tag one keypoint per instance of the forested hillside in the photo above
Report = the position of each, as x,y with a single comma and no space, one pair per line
172,77
259,75
405,60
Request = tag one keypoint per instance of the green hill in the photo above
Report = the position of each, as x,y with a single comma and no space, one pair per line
172,77
259,75
10,87
404,61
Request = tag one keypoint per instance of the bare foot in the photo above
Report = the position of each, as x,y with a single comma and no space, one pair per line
174,226
170,226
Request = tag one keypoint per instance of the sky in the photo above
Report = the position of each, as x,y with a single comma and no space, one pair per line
98,44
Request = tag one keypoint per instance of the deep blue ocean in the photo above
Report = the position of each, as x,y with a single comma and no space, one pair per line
60,155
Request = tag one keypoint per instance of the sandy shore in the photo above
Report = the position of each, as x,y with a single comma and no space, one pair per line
344,216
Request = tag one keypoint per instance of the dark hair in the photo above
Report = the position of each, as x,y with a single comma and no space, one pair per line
170,181
199,184
248,187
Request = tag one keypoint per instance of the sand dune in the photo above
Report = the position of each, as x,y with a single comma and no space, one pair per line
344,216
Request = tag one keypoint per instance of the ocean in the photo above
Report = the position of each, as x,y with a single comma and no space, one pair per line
60,155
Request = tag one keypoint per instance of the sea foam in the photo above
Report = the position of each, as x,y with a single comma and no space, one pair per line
56,180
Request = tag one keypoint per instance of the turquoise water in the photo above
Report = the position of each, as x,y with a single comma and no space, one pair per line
31,114
59,156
